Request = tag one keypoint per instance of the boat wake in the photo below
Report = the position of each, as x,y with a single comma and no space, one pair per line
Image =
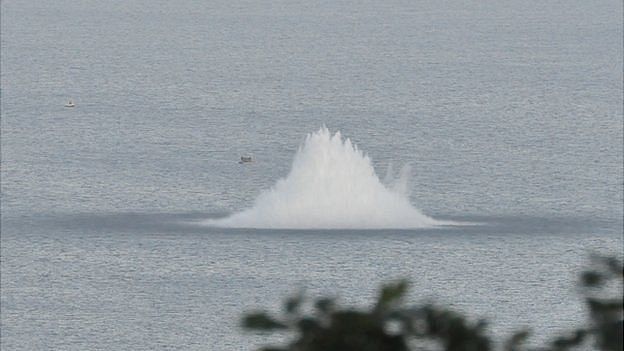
331,185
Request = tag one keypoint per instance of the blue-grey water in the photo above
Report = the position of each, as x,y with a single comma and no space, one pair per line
509,112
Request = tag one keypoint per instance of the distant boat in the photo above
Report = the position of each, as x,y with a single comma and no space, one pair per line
245,159
70,104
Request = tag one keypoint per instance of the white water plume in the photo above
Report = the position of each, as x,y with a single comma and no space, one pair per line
332,184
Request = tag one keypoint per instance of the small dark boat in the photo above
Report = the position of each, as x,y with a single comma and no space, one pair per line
245,159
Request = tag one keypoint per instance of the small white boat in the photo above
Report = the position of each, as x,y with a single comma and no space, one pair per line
70,104
245,159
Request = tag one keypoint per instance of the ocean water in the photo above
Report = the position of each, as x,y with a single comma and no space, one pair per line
509,114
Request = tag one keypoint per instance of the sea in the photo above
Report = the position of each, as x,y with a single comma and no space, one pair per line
474,148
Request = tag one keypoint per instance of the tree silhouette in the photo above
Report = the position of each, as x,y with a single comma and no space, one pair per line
391,326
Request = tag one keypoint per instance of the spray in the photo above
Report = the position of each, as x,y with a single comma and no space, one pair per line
331,185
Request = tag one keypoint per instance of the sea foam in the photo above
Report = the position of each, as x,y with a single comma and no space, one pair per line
331,185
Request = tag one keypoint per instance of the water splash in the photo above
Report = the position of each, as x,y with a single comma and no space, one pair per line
332,184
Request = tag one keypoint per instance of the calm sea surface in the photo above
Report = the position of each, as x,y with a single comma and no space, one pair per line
509,112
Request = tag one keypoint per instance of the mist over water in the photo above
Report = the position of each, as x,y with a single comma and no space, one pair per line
331,185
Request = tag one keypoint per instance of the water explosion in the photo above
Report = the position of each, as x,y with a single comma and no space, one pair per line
331,185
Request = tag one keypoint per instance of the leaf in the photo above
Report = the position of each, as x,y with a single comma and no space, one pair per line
565,343
604,306
308,325
515,342
324,305
292,304
390,293
592,279
261,321
613,265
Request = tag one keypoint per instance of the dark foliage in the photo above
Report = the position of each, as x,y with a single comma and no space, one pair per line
390,326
